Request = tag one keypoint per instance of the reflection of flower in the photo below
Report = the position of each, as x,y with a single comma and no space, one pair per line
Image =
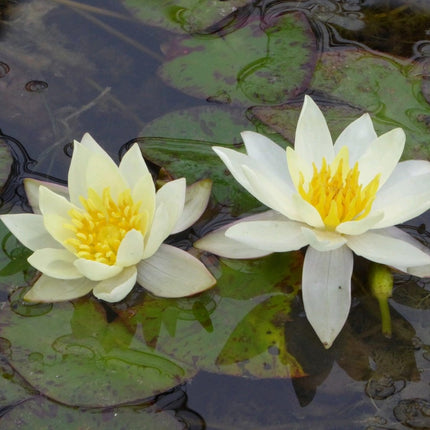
337,199
109,235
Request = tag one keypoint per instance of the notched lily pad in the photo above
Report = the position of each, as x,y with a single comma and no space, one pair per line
239,329
190,16
413,295
73,355
246,67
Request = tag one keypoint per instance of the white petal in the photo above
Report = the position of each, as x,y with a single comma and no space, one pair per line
172,197
56,263
144,192
269,156
89,142
273,194
96,271
133,166
217,243
323,240
160,230
273,236
357,136
196,199
362,225
31,187
326,289
381,248
313,141
405,195
48,289
298,167
55,210
29,229
382,156
93,169
116,288
130,250
306,213
172,272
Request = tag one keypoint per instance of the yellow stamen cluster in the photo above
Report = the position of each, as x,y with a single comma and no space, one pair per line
336,193
99,228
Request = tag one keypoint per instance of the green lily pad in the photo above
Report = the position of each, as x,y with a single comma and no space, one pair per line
237,328
188,16
387,88
40,413
74,346
246,67
6,161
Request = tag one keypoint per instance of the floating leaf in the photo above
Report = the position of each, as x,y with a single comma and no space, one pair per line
384,86
6,161
239,326
73,355
248,66
188,16
40,413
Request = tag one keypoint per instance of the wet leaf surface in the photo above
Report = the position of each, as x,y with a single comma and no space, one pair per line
246,67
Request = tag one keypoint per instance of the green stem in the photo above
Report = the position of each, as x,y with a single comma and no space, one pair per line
385,316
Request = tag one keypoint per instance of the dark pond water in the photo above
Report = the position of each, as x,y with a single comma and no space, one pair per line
186,73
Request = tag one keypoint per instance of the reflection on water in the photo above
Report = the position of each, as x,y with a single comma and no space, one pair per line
67,68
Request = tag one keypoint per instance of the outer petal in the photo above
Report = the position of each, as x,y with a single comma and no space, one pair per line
133,166
273,236
406,194
382,156
326,289
55,263
196,199
388,250
48,289
172,197
130,250
93,169
96,271
357,136
313,141
29,229
172,272
116,288
31,187
89,142
160,230
322,240
269,156
217,243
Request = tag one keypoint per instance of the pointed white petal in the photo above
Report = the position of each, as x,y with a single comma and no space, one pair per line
56,263
144,192
322,240
96,271
326,289
130,250
172,197
116,288
217,243
160,230
29,229
273,236
31,187
362,225
382,156
133,166
405,195
196,199
313,141
89,142
297,167
381,248
269,156
357,136
172,272
305,212
48,289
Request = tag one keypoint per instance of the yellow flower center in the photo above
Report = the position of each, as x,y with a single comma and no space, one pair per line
99,228
336,193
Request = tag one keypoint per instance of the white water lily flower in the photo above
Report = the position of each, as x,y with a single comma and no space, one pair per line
106,230
338,199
